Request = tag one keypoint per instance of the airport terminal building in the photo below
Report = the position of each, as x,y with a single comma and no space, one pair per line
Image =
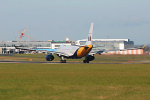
98,44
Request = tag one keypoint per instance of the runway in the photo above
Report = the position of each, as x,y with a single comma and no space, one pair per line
6,61
135,62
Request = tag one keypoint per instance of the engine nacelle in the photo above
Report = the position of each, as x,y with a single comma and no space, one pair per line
90,58
49,57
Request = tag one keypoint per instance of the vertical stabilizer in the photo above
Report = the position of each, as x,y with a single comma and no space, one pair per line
89,40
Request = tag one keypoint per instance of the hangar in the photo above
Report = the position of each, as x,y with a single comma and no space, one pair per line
109,44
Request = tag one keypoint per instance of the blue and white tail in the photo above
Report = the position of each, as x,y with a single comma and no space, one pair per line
89,40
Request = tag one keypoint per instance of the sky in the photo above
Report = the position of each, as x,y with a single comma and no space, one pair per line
57,19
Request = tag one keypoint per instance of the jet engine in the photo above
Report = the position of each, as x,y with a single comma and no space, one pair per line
90,58
49,57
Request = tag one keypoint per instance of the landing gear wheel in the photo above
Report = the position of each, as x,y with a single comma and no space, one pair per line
85,61
63,61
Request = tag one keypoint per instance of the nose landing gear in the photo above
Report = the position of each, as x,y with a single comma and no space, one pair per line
62,59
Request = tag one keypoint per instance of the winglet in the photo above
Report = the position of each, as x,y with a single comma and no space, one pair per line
89,41
144,46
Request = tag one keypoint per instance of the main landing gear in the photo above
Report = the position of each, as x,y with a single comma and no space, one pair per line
85,61
62,59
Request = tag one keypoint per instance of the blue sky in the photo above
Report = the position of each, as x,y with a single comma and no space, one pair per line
57,19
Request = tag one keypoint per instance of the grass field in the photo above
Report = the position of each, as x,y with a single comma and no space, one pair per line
74,81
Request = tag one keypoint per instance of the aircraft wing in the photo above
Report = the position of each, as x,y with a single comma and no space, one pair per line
95,52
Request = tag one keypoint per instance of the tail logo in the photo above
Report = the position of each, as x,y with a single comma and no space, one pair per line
89,38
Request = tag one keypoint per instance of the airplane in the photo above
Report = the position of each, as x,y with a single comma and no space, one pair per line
134,48
34,49
137,47
74,52
24,48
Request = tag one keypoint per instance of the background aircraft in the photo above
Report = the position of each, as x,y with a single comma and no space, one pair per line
137,47
35,49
